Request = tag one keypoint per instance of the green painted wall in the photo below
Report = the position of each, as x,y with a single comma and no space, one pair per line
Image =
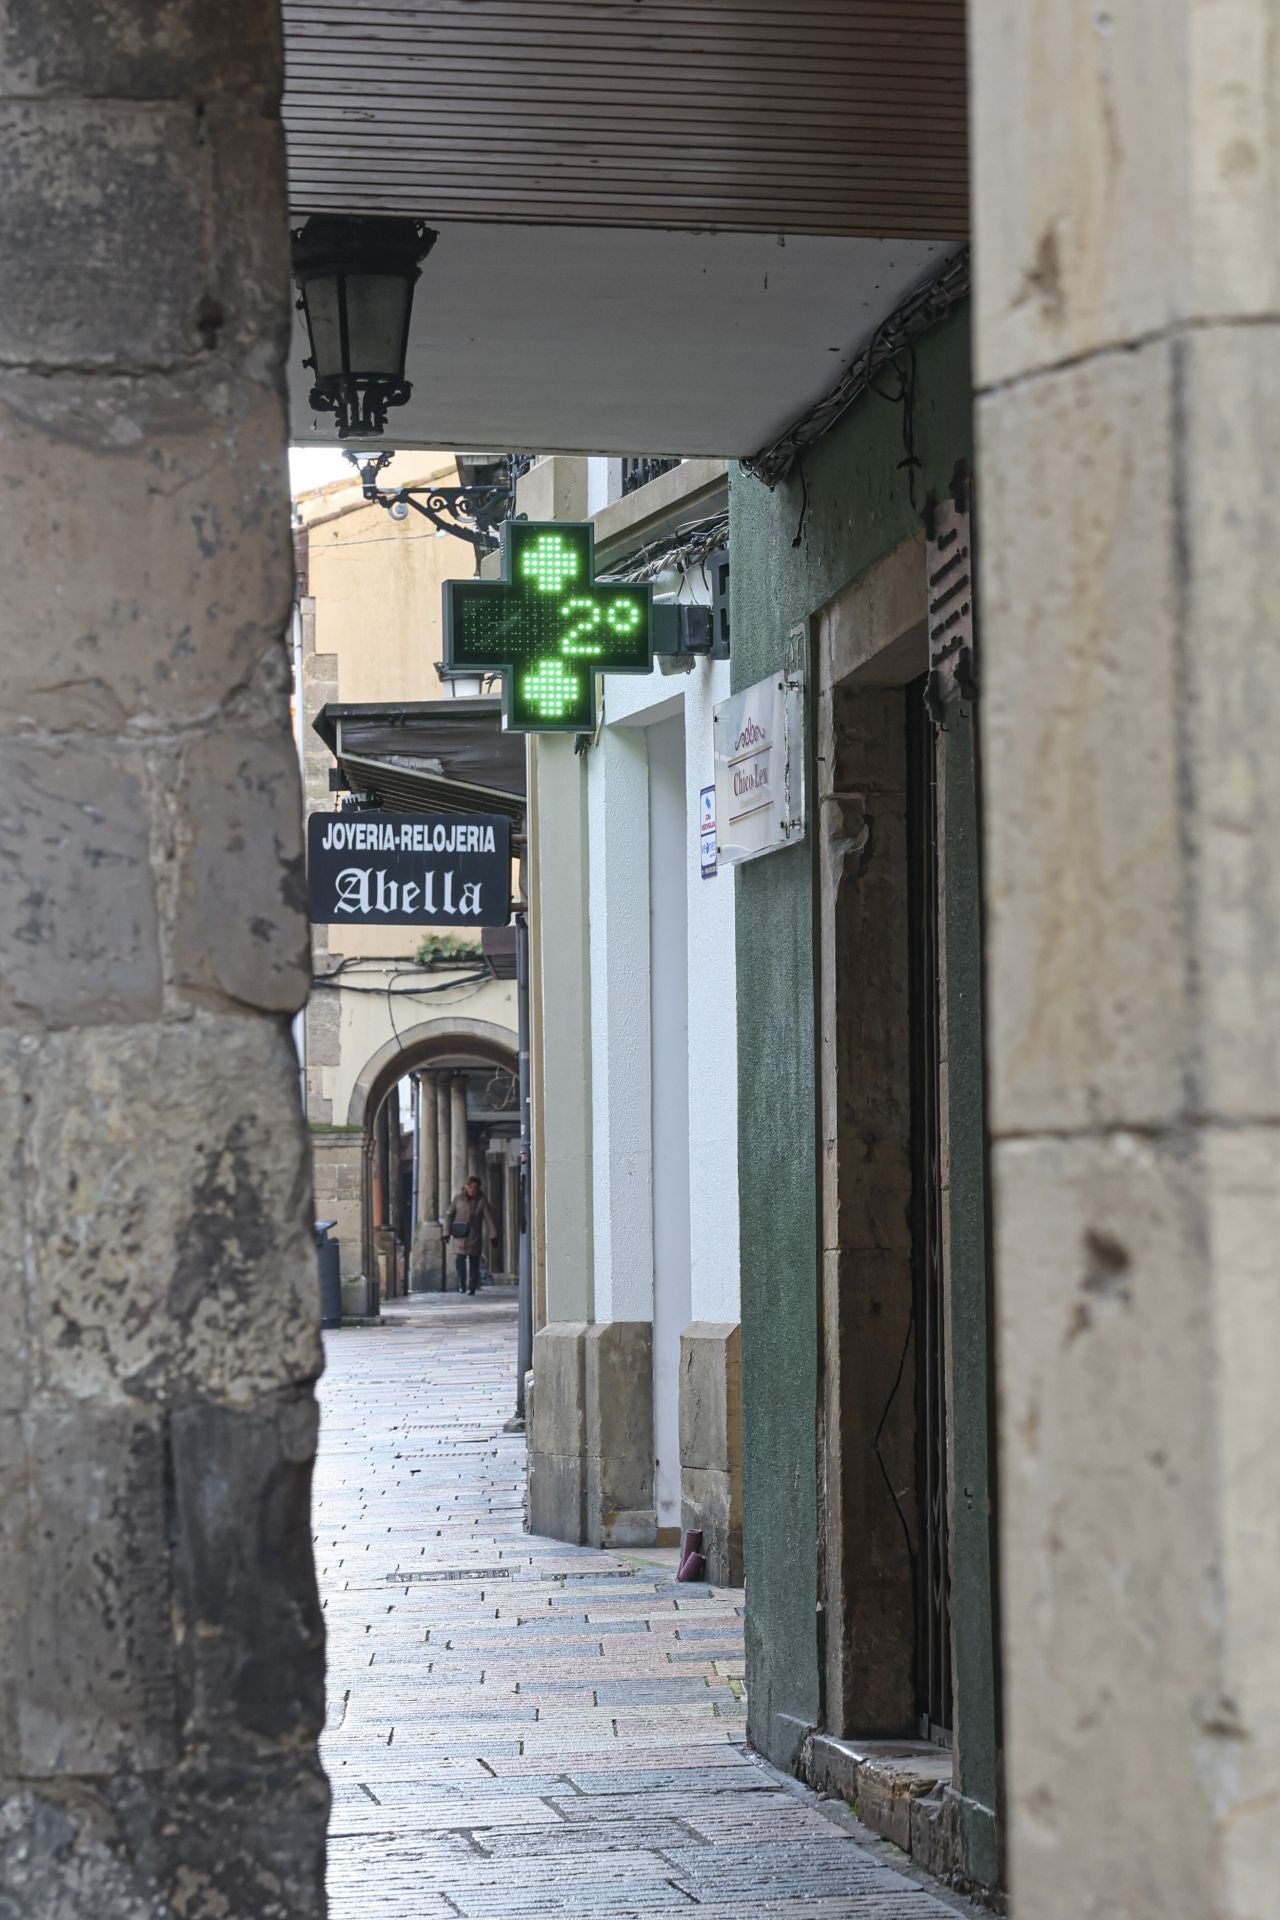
972,1396
857,511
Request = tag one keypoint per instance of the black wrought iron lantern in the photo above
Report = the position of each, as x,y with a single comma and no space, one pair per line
355,276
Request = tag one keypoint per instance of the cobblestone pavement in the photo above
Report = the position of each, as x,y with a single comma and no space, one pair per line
518,1727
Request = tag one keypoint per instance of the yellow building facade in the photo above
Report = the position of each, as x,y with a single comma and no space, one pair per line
368,631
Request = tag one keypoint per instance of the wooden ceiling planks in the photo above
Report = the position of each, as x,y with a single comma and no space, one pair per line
840,118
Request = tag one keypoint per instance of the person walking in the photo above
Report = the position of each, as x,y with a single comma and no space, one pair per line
464,1227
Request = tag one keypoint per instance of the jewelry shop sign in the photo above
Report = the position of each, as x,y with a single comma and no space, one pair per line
409,869
759,750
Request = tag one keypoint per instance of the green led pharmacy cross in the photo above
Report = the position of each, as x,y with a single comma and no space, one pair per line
548,626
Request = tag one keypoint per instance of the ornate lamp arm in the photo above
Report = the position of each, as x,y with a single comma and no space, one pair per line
448,508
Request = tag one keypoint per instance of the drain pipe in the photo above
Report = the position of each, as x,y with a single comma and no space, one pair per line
415,1110
524,1341
299,739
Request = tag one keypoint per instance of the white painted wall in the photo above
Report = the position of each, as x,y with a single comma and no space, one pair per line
669,1119
660,934
713,1029
622,1211
561,982
600,490
637,1025
638,341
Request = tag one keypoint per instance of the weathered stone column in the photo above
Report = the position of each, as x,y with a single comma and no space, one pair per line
444,1142
159,1628
711,1443
426,1234
428,1156
1128,362
458,1168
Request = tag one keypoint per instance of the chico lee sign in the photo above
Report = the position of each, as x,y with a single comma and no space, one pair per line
409,869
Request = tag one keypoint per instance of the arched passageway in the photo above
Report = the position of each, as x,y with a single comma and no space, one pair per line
435,1105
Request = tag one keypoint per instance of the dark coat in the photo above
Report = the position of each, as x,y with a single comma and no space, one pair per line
476,1214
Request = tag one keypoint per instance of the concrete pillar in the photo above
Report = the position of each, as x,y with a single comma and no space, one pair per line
1128,367
157,1597
459,1168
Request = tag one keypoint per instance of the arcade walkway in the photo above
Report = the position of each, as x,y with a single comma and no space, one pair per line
520,1728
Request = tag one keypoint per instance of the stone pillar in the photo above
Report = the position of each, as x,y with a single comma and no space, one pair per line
493,1180
591,1437
158,1293
459,1167
618,1473
428,1153
378,1185
711,1443
1128,368
444,1142
426,1230
558,1432
511,1217
339,1189
393,1200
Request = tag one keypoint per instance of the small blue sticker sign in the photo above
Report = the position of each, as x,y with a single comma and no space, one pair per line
707,831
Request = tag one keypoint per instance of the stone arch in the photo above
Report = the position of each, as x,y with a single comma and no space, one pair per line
444,1038
417,1046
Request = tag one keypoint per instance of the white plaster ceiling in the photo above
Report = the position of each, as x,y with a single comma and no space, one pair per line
632,341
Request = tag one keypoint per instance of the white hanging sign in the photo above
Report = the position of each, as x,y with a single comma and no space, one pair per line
759,749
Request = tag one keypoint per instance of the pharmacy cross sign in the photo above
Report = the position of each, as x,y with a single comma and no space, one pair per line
548,626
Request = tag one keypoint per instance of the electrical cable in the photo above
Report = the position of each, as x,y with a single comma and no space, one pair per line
391,1012
905,397
914,316
804,503
875,1445
683,548
476,980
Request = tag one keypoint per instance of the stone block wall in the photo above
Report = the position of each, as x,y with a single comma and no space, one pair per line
591,1434
1128,367
339,1161
711,1444
557,1433
161,1644
618,1383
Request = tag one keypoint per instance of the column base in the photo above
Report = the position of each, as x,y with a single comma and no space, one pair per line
426,1275
711,1444
591,1435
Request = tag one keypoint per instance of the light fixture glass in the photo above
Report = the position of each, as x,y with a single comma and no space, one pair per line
356,275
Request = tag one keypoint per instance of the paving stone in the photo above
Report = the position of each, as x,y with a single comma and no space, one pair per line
533,1729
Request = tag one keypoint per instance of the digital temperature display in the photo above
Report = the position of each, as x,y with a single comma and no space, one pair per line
548,626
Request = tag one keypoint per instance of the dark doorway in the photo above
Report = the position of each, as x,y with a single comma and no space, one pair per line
933,1557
